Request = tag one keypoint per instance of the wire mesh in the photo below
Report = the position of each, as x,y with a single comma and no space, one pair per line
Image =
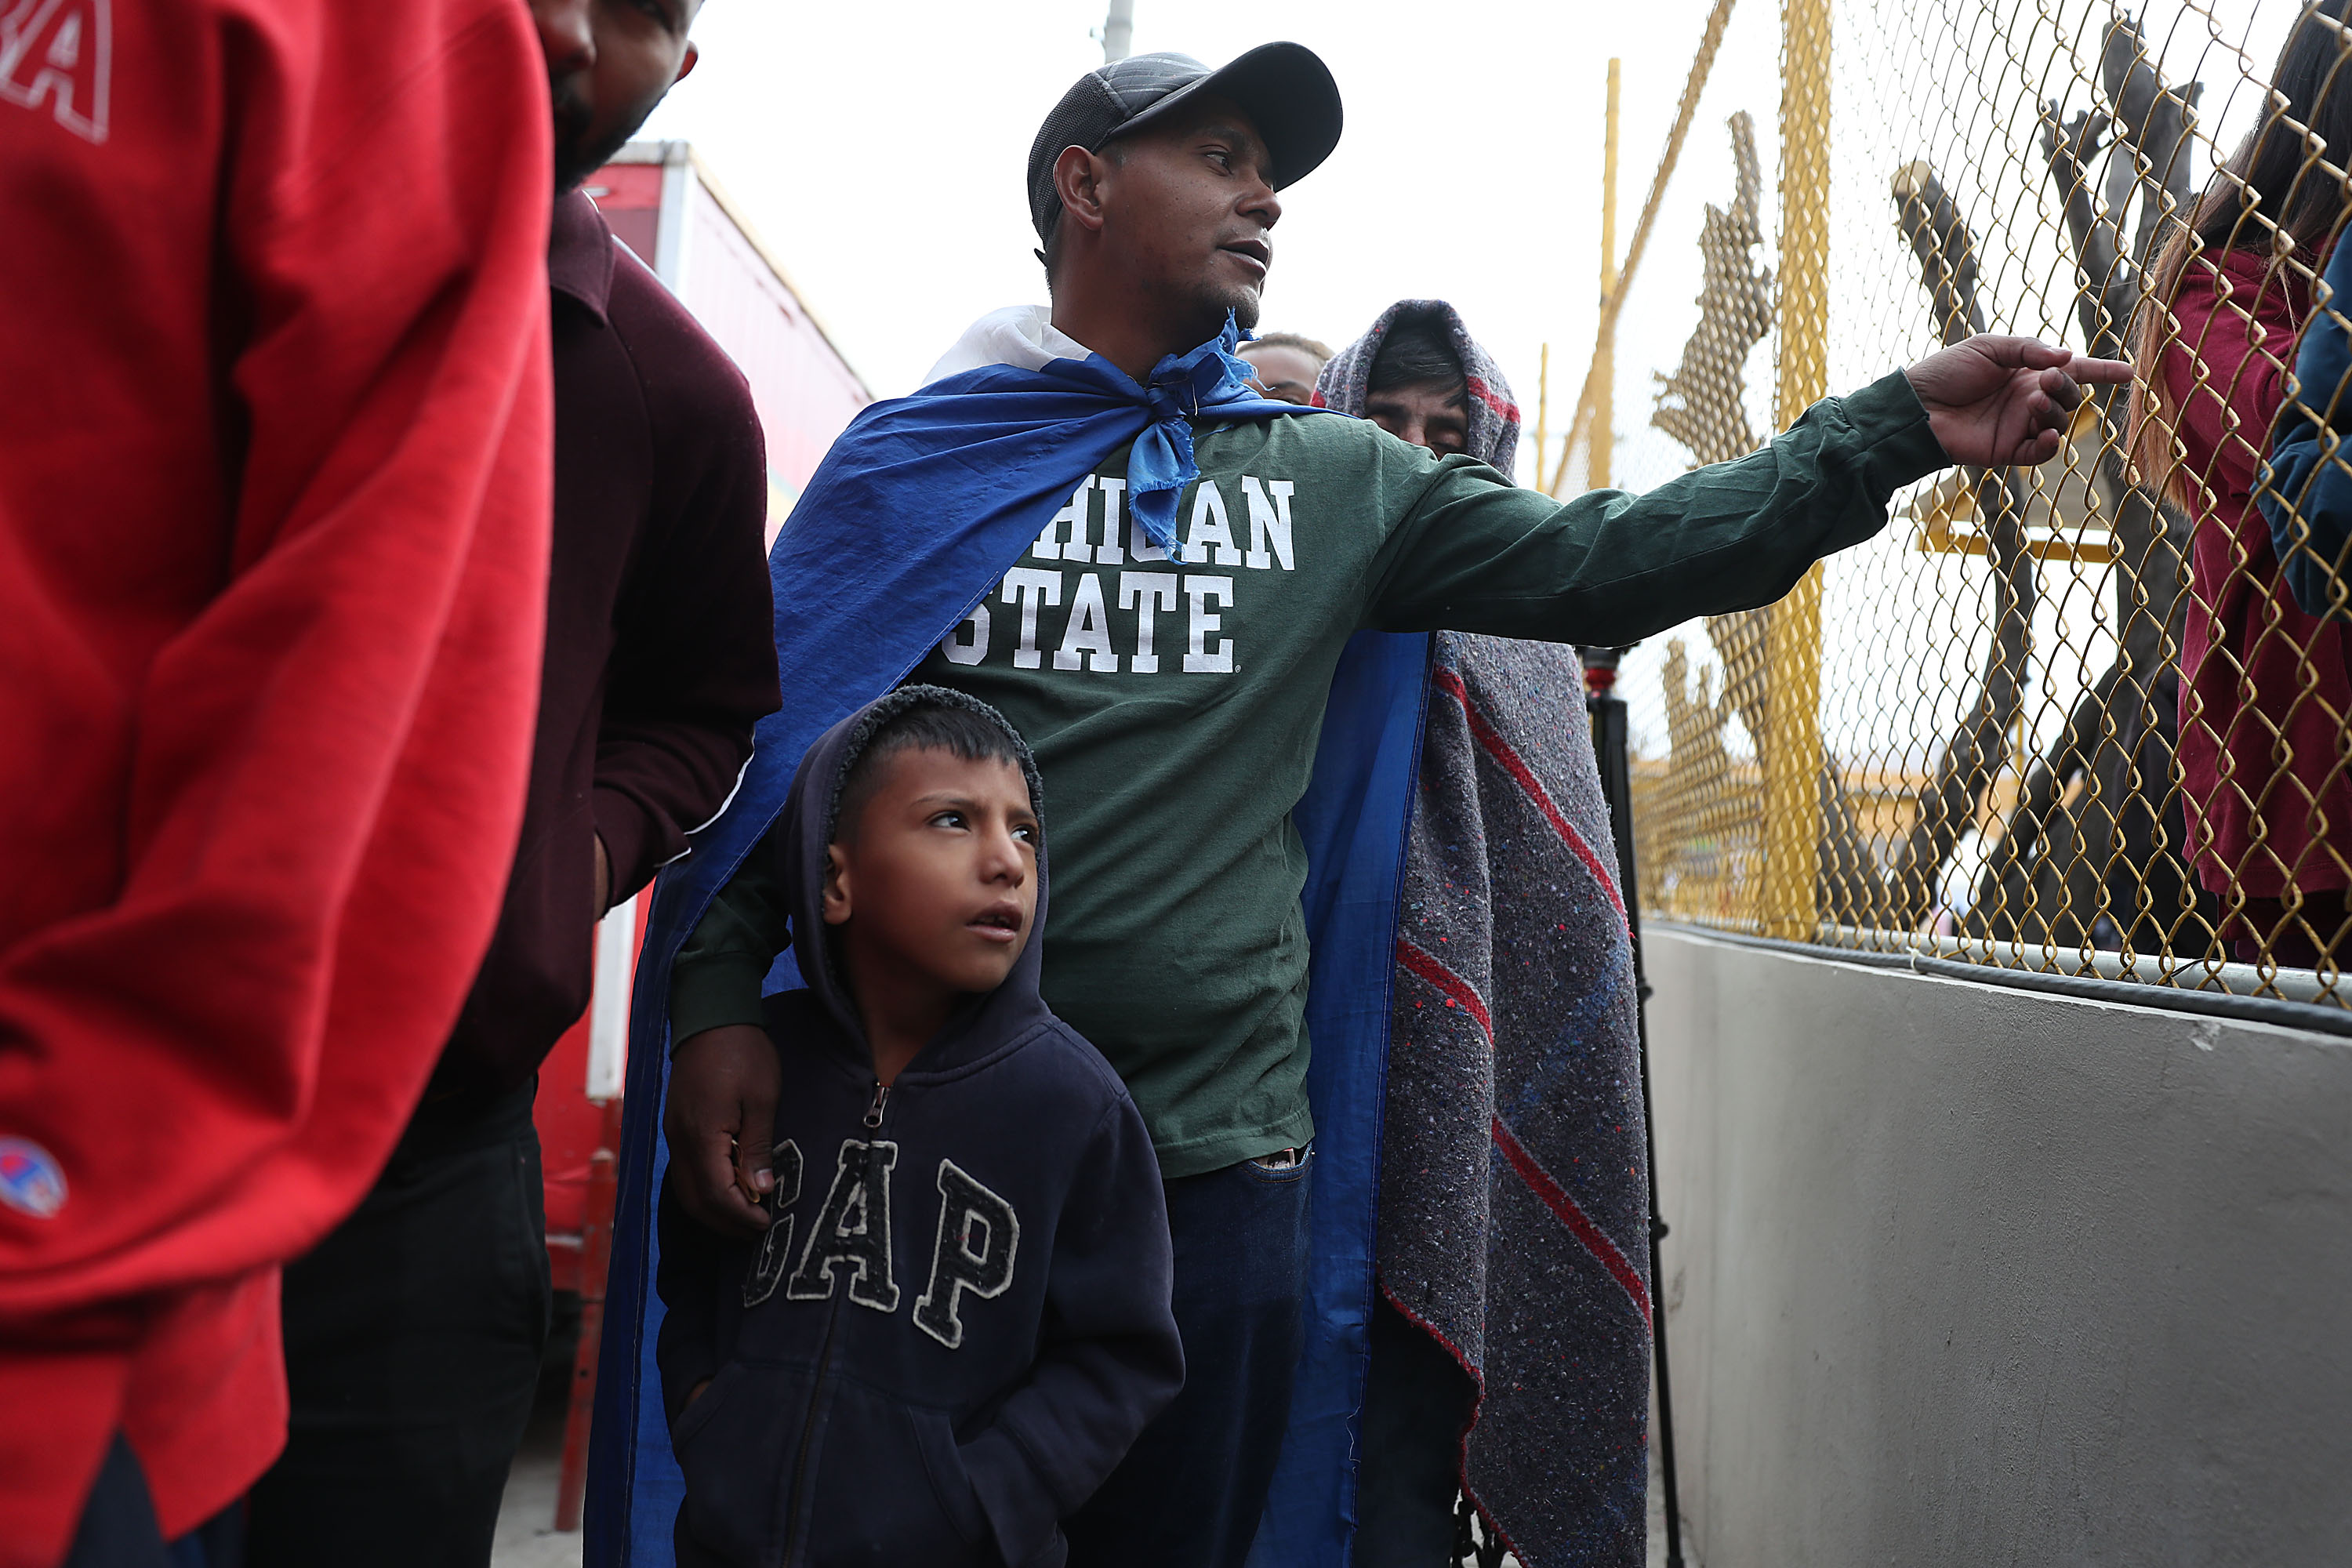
2071,718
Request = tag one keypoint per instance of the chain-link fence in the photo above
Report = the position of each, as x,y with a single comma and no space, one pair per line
2077,718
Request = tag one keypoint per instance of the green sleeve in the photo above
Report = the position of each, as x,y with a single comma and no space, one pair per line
1474,555
727,956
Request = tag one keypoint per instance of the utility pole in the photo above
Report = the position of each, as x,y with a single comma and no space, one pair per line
1603,439
1117,33
1543,416
1791,750
1607,713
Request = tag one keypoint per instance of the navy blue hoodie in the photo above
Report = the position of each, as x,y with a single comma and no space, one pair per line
959,1319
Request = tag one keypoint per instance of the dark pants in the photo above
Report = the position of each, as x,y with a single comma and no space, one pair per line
2263,926
1191,1490
1416,1404
119,1530
413,1341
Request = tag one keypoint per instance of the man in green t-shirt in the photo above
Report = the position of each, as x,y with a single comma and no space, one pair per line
1175,703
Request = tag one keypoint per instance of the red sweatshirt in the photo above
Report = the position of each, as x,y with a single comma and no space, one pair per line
274,490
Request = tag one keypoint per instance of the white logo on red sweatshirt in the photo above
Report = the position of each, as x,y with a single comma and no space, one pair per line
31,1182
61,51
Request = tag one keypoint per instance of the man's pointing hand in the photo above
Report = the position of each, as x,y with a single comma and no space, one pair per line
1999,401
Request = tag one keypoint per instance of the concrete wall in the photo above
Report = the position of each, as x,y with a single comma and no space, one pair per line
1960,1274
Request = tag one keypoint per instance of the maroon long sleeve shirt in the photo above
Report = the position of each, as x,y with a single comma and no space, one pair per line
660,651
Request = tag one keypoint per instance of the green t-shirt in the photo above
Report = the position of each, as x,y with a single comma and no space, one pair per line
1175,706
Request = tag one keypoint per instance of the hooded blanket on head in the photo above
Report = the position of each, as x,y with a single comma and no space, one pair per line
915,514
1513,1214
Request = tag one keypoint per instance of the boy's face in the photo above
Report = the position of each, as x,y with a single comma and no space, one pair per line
937,879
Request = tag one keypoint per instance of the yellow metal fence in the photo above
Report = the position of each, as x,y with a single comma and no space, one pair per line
2070,718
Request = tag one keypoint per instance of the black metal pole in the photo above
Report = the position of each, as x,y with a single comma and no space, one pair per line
1607,711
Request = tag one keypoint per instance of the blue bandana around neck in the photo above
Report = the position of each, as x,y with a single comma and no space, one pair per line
914,517
1212,379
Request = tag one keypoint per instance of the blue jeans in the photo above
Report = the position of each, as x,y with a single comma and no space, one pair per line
1190,1491
119,1528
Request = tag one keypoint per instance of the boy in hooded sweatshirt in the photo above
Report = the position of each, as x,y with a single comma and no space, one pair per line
958,1319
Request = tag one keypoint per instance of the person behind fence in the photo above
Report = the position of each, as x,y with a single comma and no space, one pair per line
1286,365
2306,498
2265,688
966,1271
1093,524
1510,1350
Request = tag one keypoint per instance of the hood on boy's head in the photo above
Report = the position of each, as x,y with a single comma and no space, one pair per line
808,827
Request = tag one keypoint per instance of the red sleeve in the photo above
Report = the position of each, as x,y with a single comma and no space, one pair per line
307,743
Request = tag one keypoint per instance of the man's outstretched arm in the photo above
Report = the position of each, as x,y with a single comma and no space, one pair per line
1611,567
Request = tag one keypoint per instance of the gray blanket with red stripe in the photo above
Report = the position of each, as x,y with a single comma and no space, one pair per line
1514,1206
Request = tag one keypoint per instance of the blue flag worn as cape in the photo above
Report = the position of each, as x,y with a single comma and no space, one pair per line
916,513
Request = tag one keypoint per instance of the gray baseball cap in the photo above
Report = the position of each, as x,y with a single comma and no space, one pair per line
1285,89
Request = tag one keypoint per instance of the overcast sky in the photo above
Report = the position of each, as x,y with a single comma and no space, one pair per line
879,149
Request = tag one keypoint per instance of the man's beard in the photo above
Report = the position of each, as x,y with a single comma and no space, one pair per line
579,150
1212,303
